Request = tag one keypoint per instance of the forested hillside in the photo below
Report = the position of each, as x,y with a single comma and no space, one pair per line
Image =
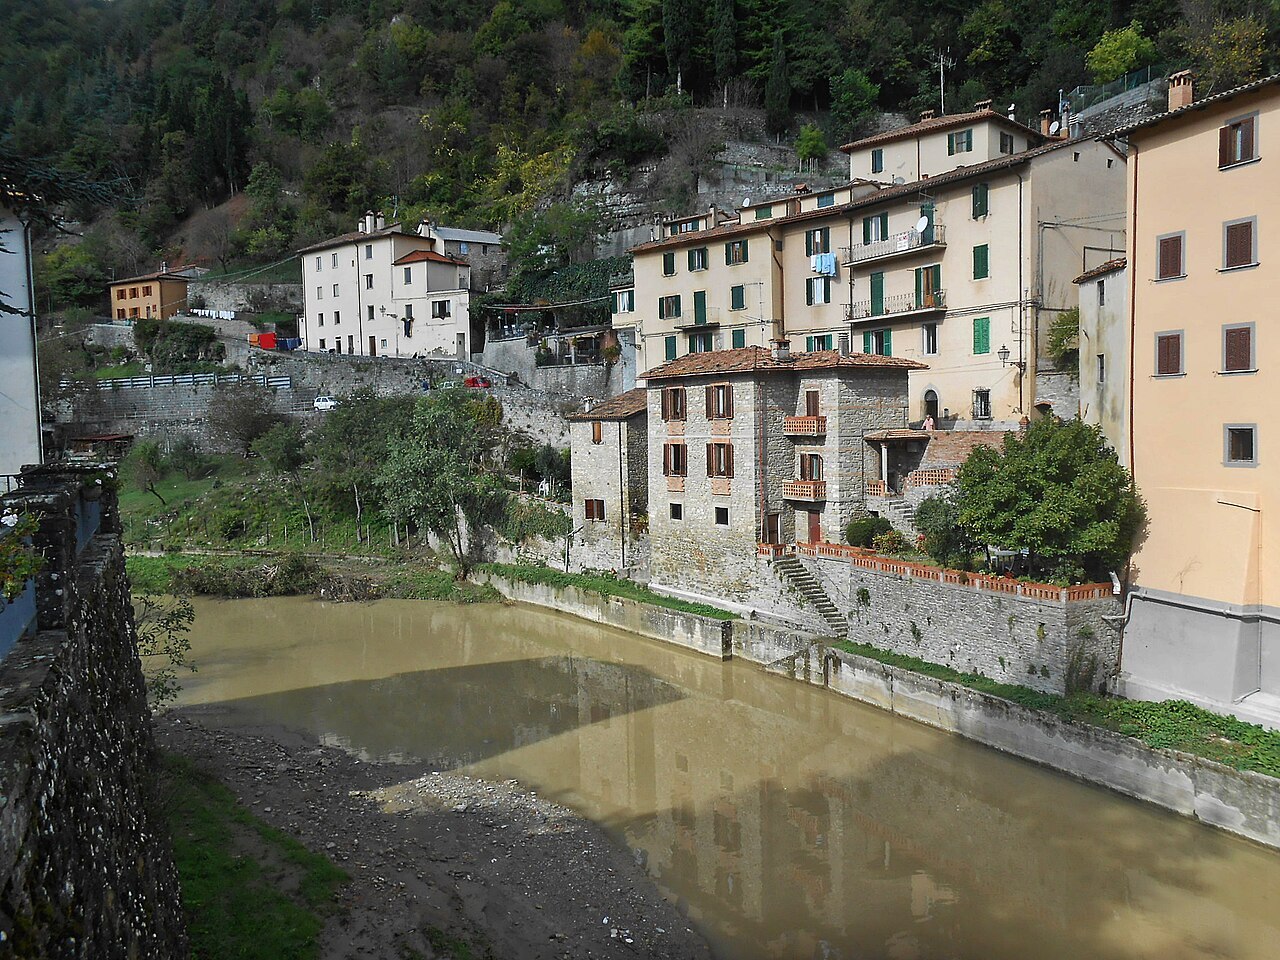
314,110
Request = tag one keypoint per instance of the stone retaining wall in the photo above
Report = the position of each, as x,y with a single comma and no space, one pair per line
85,865
250,297
595,380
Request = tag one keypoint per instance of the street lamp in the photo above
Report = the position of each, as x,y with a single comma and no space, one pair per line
1003,354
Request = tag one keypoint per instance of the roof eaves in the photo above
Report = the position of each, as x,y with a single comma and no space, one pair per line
1192,107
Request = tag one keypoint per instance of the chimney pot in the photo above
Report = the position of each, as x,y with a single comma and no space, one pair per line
780,348
380,222
927,115
1046,121
1181,90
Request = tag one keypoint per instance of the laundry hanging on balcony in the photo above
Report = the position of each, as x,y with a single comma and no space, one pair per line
823,264
408,326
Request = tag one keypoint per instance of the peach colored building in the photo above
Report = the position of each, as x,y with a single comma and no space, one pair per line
1204,231
159,295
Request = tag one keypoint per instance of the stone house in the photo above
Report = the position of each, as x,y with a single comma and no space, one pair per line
610,480
1104,351
157,295
754,449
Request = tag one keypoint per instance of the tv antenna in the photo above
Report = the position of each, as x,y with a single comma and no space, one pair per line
945,63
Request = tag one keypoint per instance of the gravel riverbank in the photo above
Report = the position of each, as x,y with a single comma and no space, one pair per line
437,860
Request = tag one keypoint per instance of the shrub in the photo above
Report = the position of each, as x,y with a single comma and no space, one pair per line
890,543
863,530
944,539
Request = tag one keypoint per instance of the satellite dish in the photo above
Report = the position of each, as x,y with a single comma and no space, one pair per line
1054,128
899,180
746,201
922,225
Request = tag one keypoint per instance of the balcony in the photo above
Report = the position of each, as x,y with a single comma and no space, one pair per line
902,305
813,490
895,245
805,426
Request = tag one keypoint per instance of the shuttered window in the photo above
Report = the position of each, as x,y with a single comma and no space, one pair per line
670,345
719,459
1237,348
878,342
738,297
1238,244
817,290
817,241
877,160
980,197
720,401
669,263
981,267
739,339
698,258
981,335
1169,257
675,460
1236,142
875,228
1168,354
593,509
735,251
673,403
669,307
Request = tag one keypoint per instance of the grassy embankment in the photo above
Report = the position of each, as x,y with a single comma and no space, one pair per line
248,890
604,583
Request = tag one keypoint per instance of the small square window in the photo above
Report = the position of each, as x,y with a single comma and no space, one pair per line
677,510
877,161
722,516
1240,445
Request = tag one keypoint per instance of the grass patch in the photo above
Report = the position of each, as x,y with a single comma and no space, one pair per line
1168,724
604,583
121,371
267,904
415,582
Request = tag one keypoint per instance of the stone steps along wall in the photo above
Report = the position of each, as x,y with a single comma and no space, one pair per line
594,380
1049,645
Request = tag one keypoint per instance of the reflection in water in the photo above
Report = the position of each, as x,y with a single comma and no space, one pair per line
792,823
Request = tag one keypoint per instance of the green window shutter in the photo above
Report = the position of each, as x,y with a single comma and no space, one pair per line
826,238
808,292
877,294
739,338
937,276
669,263
700,306
613,303
691,260
951,143
808,344
661,315
808,243
919,286
980,262
888,343
884,225
671,348
744,251
738,297
980,200
676,311
968,139
866,229
728,253
866,341
981,335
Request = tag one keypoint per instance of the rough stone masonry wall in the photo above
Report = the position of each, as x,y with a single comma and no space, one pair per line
1048,645
250,297
596,380
86,871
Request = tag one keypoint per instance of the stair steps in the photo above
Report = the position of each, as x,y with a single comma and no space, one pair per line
794,573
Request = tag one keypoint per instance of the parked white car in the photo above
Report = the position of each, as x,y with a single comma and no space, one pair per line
325,403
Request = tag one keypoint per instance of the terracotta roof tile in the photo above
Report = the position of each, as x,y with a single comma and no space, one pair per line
936,125
760,360
418,256
158,275
1111,266
356,235
950,448
622,407
1193,106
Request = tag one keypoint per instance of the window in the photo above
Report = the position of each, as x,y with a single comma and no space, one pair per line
719,459
337,317
669,263
383,342
370,311
597,431
1238,244
982,404
120,294
319,293
1102,368
698,258
368,281
408,275
738,297
675,460
877,161
1169,259
930,345
1169,354
441,309
351,344
822,342
817,241
981,262
875,228
408,317
981,200
1237,349
735,252
677,510
146,291
765,212
368,251
133,293
722,516
120,313
1102,293
817,290
739,339
929,287
878,342
669,307
1236,142
335,289
318,263
981,335
810,466
593,509
1006,143
1240,445
319,319
133,311
334,260
812,403
701,342
669,346
673,402
959,142
337,344
720,401
826,200
322,343
624,301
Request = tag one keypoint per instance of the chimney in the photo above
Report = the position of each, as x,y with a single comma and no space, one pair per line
927,115
1013,111
1046,120
711,216
380,223
846,348
982,105
1181,90
780,348
367,224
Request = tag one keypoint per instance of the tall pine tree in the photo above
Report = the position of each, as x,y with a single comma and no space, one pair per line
724,43
777,91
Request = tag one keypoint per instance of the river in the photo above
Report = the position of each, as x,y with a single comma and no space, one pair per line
790,822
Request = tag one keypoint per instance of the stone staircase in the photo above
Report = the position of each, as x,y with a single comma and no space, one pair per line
793,572
902,514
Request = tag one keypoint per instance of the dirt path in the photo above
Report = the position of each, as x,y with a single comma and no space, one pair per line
440,864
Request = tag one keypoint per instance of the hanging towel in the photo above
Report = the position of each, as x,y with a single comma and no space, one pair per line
815,263
825,264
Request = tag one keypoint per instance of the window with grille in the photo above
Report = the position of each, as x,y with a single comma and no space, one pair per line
593,509
720,401
675,460
1169,261
1237,244
1240,445
1236,142
719,459
1168,354
1237,348
673,403
982,404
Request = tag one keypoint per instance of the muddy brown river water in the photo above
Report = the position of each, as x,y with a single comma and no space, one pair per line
789,822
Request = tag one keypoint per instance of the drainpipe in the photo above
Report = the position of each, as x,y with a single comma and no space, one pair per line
1022,308
622,502
31,316
1131,242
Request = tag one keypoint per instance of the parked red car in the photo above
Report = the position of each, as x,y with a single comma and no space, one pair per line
477,383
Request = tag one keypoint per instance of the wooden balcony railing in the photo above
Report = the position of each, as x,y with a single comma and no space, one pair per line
804,426
804,489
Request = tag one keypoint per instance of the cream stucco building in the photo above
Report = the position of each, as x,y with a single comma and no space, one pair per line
1104,352
1204,231
961,270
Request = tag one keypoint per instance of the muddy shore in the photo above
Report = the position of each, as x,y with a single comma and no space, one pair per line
435,857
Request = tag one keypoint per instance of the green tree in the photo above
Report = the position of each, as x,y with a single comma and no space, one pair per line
853,100
351,445
777,90
162,627
1232,53
724,40
1063,345
944,539
565,232
1118,52
811,145
147,466
679,34
242,413
186,457
71,275
283,448
1057,491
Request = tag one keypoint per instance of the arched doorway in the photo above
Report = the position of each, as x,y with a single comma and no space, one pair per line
931,404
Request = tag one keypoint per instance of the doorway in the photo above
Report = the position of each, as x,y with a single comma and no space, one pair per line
373,346
773,528
815,526
931,404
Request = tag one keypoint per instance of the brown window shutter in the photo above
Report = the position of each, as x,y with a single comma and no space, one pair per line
1237,349
1239,244
1224,146
728,459
1246,139
728,401
589,509
1168,354
711,402
1170,257
666,404
666,459
711,459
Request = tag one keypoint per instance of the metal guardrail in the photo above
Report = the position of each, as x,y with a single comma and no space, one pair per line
894,244
184,380
898,304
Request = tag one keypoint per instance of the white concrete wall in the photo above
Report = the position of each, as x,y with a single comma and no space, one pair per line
19,390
